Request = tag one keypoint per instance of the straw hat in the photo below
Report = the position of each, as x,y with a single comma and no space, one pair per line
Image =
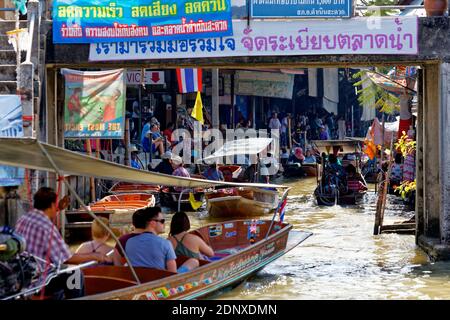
177,160
133,148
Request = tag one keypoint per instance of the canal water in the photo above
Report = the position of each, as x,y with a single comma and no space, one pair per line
343,259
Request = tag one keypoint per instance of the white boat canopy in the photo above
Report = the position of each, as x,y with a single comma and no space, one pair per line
26,153
248,146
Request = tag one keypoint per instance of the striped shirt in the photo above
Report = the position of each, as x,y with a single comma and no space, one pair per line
42,235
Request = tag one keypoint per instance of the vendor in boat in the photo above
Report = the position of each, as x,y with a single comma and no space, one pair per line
99,238
213,173
298,156
309,157
187,244
165,166
139,222
179,170
40,233
355,181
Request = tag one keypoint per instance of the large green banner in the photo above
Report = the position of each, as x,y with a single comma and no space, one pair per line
94,104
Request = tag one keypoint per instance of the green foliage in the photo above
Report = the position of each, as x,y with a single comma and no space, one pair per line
381,12
384,100
405,144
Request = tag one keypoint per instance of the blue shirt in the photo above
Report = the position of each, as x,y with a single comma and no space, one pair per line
213,174
150,251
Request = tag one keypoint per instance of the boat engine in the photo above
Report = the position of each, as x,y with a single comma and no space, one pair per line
17,268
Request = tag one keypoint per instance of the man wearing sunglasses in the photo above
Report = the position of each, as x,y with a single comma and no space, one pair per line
148,249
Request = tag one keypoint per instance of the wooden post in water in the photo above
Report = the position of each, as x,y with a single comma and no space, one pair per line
91,179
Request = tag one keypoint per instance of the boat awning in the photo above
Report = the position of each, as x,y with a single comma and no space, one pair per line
26,153
248,146
344,146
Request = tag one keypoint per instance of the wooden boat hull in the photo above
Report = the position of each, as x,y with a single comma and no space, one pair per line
330,200
125,187
118,209
170,198
243,203
310,169
205,280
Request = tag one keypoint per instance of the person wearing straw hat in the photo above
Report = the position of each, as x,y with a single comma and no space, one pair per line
179,169
134,157
165,166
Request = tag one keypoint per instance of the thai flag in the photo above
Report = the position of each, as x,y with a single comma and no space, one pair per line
283,209
189,80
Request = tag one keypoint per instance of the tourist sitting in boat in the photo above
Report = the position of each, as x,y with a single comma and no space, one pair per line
187,244
99,238
149,250
298,156
139,223
213,173
309,157
165,166
355,182
40,233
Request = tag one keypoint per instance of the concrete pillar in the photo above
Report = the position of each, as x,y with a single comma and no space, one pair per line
419,157
25,89
431,154
444,142
215,98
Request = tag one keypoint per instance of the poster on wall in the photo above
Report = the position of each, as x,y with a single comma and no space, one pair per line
264,84
11,126
94,21
94,104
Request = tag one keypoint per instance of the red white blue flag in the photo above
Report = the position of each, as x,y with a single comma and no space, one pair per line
189,80
283,209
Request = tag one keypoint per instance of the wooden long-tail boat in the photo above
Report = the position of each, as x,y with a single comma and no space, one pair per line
171,198
331,199
242,247
117,208
126,187
241,202
236,259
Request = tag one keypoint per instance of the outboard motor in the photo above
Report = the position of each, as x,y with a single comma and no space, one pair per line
17,268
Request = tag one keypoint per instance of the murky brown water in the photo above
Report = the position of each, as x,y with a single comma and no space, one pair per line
343,260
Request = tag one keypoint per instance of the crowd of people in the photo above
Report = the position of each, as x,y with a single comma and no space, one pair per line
308,126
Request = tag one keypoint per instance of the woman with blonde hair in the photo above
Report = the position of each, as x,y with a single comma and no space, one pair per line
98,243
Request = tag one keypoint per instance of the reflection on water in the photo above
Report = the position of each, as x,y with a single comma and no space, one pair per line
343,260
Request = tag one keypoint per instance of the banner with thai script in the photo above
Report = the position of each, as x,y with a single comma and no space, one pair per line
11,125
301,8
264,84
390,35
94,104
92,21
